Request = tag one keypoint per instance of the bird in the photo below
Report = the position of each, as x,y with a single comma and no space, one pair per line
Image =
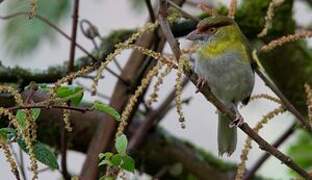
223,60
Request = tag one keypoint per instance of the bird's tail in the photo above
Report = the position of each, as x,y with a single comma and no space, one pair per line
227,137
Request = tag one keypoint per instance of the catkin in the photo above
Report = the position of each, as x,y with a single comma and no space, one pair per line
119,48
266,96
308,91
286,39
10,159
178,87
134,98
269,16
232,8
154,95
33,8
247,146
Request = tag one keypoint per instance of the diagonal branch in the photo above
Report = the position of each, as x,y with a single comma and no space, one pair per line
251,173
165,27
263,144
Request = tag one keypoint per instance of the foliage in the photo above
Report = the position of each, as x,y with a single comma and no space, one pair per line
22,35
42,153
301,150
120,159
106,109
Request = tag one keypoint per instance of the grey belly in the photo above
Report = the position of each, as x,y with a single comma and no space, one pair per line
229,79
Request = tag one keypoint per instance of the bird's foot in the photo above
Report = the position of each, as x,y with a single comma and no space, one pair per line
239,120
200,83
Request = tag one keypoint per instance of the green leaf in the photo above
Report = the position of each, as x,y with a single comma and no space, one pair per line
42,153
22,35
176,169
105,158
107,178
128,163
106,109
106,155
121,144
7,134
43,87
116,160
301,150
35,112
70,93
21,116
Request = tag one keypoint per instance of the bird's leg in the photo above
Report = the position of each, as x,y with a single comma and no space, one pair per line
239,120
200,83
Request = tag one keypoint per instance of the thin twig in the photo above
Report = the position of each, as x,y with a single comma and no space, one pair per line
106,97
290,107
184,13
63,149
79,109
22,164
91,32
150,10
165,27
73,37
251,172
63,136
53,26
232,8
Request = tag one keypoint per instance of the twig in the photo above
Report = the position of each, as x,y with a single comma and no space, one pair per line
251,173
63,149
232,8
82,110
150,10
73,37
106,97
91,32
53,26
22,164
184,13
284,100
291,108
165,27
63,136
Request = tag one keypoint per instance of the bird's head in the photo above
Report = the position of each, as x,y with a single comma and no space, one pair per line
212,28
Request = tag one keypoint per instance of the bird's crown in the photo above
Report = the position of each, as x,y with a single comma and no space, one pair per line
214,21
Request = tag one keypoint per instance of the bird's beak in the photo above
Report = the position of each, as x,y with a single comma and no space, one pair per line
194,35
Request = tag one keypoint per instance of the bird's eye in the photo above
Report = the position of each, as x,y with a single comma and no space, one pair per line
212,30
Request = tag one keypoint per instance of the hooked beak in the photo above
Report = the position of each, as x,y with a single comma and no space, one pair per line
194,35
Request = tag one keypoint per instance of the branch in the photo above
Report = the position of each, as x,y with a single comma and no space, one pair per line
78,109
165,27
251,173
291,108
149,157
63,140
264,145
150,10
53,26
73,37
